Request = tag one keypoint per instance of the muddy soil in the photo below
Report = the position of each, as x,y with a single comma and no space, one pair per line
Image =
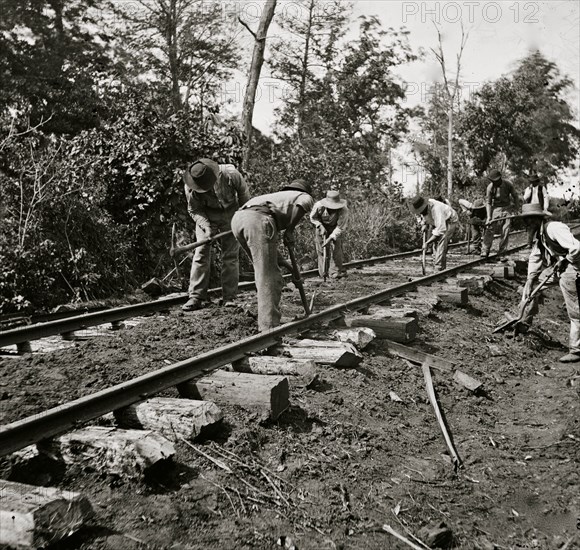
346,459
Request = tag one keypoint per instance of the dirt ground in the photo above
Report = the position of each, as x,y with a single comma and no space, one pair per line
346,458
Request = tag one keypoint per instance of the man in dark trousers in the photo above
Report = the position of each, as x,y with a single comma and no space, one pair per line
214,192
330,217
501,199
477,215
256,226
553,241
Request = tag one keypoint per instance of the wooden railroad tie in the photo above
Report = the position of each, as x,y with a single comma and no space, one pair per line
171,417
267,395
399,325
327,352
129,453
359,337
272,366
33,517
476,283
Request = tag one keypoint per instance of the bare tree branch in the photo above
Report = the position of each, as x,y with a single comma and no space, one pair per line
247,27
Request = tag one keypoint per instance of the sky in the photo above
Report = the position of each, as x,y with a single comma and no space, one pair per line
500,33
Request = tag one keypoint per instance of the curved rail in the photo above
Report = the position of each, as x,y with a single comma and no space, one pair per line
19,434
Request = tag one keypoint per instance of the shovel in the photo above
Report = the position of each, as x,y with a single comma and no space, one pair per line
513,322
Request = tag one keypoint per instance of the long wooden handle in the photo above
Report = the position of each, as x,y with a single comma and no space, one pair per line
424,255
297,280
469,238
181,249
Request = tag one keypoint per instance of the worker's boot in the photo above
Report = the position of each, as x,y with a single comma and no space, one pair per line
193,304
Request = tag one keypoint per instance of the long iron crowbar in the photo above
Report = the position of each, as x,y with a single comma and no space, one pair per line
326,258
424,255
297,280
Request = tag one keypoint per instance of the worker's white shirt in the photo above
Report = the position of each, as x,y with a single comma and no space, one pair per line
532,191
561,234
439,215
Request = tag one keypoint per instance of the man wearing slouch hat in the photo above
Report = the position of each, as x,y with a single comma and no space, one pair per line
330,217
501,199
554,242
256,226
443,219
213,192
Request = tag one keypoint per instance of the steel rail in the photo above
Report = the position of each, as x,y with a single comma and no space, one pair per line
19,434
75,322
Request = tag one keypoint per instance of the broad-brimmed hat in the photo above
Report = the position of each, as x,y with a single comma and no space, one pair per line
201,175
478,203
494,175
418,205
534,178
298,185
533,210
332,201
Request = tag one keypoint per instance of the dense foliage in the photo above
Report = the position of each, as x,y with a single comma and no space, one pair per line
103,104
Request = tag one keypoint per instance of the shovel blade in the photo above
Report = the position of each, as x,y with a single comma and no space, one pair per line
511,322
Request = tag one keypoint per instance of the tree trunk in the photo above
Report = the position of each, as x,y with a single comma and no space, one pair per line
171,39
303,76
254,76
450,152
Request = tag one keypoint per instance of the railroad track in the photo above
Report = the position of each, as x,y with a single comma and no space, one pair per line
66,323
20,434
41,429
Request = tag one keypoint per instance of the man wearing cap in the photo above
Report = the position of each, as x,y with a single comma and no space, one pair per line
256,226
214,192
553,241
500,198
477,215
536,193
330,217
443,219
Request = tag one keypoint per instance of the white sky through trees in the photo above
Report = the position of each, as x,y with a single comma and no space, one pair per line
500,34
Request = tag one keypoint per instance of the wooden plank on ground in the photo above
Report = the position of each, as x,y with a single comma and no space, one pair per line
267,395
127,453
171,417
33,517
419,357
